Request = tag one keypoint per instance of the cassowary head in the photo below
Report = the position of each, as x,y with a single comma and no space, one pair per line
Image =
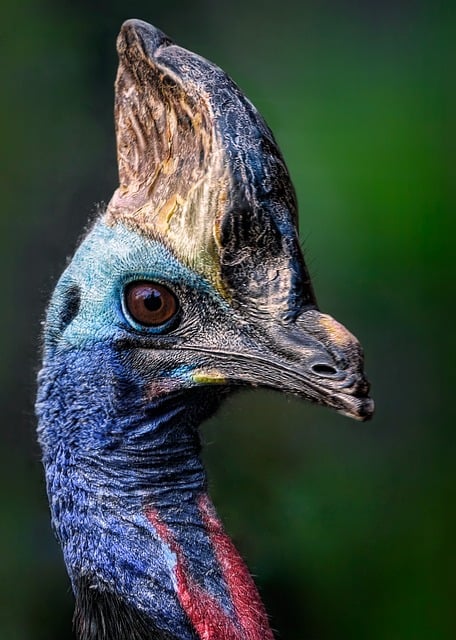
191,283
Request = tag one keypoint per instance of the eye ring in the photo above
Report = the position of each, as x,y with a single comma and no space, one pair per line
150,304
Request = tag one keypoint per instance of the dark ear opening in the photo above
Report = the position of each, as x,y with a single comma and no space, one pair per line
71,306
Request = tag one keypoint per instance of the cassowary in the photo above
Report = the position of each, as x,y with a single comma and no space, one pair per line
189,285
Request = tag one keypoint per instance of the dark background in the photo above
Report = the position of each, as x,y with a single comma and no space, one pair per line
348,527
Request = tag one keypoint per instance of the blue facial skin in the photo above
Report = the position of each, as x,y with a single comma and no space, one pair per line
113,446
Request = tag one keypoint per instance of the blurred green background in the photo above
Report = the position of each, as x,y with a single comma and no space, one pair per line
348,527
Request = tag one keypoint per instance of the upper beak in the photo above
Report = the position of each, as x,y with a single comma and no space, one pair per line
316,357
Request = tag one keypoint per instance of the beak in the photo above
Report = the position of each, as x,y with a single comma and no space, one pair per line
318,359
313,357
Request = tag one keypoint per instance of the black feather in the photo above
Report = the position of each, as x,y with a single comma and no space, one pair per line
102,615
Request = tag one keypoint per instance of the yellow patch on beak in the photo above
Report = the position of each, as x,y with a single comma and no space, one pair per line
208,377
336,331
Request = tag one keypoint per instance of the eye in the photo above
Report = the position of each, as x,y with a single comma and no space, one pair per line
149,303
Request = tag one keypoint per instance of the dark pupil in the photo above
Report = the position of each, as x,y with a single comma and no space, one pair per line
153,300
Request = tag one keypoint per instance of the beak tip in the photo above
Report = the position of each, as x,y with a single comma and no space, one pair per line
366,410
360,409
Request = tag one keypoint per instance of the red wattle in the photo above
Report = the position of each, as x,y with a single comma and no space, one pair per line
247,603
208,618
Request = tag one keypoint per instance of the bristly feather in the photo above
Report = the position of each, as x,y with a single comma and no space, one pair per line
100,614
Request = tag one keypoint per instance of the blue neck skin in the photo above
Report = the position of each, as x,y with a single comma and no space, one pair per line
110,454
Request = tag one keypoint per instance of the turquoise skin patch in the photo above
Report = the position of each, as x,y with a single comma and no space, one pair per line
106,261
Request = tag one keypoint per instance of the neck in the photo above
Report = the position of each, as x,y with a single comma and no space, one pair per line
146,553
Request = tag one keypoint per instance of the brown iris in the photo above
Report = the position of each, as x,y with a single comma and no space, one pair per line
149,303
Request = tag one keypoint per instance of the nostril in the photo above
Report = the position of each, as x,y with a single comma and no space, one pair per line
324,370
